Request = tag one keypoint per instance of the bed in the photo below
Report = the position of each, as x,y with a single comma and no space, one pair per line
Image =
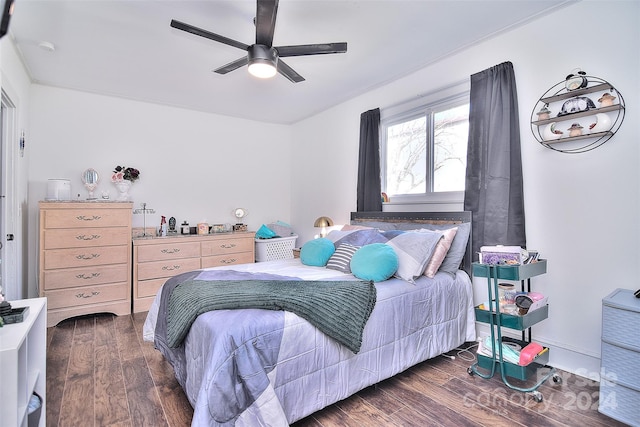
269,366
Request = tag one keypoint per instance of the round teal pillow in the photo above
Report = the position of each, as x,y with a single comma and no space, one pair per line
376,262
317,252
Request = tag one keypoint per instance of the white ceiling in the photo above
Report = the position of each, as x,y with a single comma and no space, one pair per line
126,48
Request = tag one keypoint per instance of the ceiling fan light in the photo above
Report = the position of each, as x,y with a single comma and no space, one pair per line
263,70
262,61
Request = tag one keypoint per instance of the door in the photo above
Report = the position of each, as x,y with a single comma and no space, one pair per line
11,286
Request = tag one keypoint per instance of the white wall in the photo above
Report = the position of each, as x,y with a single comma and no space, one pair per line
194,166
581,209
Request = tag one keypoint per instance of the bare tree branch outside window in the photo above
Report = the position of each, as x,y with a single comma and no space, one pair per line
407,144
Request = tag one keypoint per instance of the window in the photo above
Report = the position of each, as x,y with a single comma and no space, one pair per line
424,149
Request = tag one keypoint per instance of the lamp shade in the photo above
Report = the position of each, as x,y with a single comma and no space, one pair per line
323,221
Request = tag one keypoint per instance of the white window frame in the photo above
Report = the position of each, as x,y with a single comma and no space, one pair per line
444,98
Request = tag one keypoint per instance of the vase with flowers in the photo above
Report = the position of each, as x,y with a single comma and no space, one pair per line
123,177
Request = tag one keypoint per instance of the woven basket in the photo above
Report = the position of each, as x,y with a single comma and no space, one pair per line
276,248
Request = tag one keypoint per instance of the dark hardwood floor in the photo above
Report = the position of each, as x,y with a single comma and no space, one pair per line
101,373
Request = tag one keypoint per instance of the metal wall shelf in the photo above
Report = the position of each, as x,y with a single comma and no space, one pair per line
554,98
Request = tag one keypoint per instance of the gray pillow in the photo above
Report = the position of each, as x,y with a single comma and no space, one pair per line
451,262
414,251
354,237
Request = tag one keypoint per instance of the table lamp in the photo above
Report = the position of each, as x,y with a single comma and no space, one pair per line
324,222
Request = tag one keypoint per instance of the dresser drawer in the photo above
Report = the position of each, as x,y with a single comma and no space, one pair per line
149,288
618,324
85,218
227,246
621,364
218,260
79,257
81,238
166,251
619,402
83,276
86,295
168,268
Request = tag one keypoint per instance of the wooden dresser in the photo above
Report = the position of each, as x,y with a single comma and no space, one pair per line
159,258
85,258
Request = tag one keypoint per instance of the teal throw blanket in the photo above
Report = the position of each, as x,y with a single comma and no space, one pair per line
340,309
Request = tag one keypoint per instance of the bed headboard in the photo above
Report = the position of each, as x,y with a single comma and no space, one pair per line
423,218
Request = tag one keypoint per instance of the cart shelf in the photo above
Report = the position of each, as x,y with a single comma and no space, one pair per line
512,370
511,272
511,321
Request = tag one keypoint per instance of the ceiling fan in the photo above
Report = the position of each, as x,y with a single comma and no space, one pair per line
262,57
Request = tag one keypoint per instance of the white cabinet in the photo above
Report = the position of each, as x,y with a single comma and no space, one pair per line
23,363
620,358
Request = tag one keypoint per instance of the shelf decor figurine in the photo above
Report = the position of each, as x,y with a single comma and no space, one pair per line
606,100
602,123
576,105
544,113
550,132
575,129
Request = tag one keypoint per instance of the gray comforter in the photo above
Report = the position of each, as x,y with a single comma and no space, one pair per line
263,367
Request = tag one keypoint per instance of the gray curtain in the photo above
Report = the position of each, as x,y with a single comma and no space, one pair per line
369,187
493,191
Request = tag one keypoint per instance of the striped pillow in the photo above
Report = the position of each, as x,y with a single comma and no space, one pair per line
341,258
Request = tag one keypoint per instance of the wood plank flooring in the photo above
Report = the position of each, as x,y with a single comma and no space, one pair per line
101,373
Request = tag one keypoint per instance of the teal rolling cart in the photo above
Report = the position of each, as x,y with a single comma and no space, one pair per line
498,320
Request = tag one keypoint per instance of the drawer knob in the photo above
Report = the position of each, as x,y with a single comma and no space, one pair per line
88,277
228,261
85,237
170,251
83,295
88,218
85,257
228,245
171,268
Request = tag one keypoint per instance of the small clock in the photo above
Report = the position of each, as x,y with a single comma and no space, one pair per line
239,213
576,81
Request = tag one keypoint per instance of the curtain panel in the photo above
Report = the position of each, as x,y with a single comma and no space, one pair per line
369,184
494,189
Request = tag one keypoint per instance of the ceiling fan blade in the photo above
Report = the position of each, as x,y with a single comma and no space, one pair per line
289,72
207,34
311,49
266,21
232,65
